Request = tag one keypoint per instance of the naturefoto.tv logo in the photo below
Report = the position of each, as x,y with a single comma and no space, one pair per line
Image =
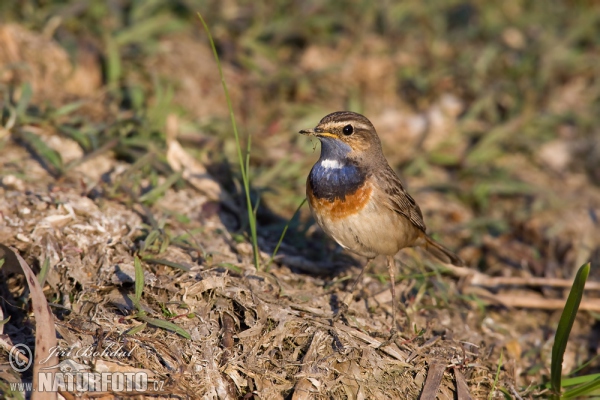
72,376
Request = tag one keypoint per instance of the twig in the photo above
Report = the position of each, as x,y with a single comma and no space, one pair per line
376,344
479,279
544,304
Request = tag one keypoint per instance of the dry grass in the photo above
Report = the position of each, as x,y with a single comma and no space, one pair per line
488,111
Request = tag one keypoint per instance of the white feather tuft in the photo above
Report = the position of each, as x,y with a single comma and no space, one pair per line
331,164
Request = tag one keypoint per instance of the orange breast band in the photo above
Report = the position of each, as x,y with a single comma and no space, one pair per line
339,209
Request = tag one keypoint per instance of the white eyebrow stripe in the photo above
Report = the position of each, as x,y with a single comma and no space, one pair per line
331,164
339,125
361,126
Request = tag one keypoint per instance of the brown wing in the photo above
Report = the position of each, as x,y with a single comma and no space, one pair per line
398,199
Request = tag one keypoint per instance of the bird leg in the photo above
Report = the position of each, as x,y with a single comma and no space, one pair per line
391,270
344,306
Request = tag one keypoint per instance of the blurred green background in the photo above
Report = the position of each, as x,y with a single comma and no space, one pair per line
489,111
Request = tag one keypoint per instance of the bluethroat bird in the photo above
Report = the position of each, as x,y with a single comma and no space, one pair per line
358,199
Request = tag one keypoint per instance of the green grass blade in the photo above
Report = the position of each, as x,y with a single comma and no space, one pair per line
156,193
139,278
161,106
24,99
496,378
44,271
584,390
50,158
578,380
565,324
255,210
150,239
136,303
77,135
113,61
68,108
581,367
283,234
252,219
146,30
136,329
168,263
231,267
165,325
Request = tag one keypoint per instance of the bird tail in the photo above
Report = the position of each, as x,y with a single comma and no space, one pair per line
442,253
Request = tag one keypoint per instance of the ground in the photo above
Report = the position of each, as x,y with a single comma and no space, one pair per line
118,160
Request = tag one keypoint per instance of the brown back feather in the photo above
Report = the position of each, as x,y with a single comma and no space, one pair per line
398,198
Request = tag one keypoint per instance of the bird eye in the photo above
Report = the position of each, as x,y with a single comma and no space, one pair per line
348,130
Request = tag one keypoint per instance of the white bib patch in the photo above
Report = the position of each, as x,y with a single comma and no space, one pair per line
331,164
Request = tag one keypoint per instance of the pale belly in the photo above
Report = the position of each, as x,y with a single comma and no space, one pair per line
373,230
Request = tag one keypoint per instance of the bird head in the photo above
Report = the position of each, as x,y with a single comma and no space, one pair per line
346,134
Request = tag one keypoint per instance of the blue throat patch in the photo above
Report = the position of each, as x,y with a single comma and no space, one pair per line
331,183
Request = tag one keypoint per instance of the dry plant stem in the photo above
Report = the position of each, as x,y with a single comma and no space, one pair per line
45,336
344,306
462,389
433,381
479,279
543,304
392,351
